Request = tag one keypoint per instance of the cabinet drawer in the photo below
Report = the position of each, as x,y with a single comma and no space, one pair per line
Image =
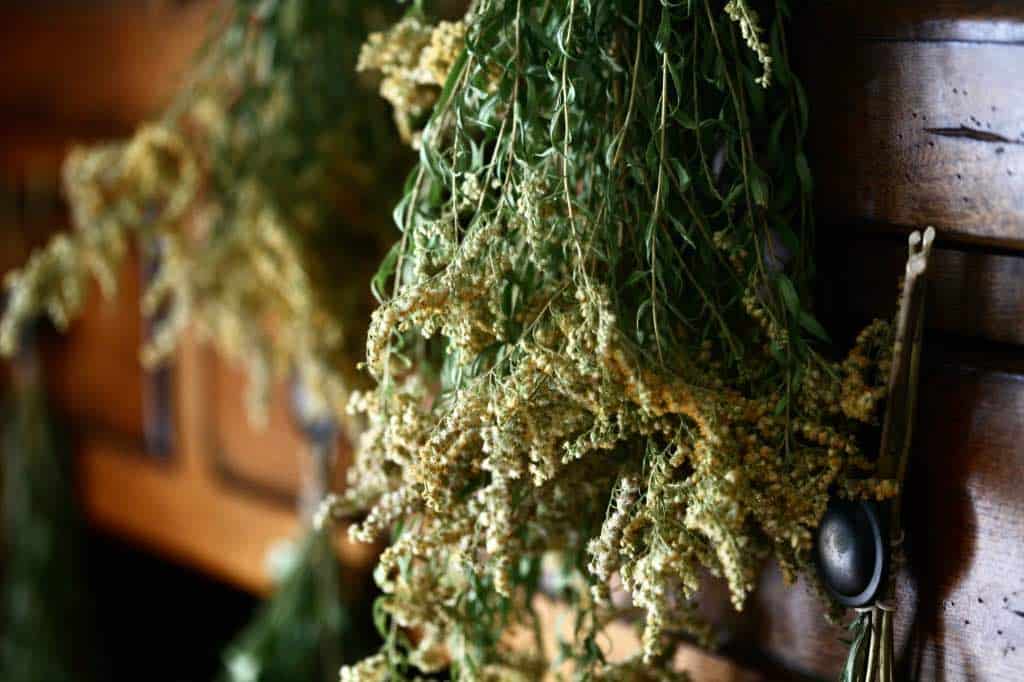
972,292
912,131
961,594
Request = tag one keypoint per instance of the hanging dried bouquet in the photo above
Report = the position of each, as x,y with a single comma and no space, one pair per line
255,194
595,348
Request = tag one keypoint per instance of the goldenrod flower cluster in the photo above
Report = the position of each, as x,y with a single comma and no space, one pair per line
152,178
413,59
750,28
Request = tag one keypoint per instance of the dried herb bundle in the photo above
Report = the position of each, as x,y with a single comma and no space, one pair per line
594,345
45,607
256,195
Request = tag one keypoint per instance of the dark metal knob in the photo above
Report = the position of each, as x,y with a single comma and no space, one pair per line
850,551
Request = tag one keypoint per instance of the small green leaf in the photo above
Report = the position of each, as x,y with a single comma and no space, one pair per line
808,322
759,189
684,119
803,171
733,195
637,276
788,293
385,271
682,176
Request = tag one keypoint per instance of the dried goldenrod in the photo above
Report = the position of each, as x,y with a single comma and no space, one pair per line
413,59
257,196
597,351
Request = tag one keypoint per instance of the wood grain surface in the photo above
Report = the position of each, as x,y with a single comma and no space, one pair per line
94,66
985,21
971,292
920,133
269,459
918,118
960,595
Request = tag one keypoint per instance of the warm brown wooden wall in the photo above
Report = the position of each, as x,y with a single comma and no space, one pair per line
917,113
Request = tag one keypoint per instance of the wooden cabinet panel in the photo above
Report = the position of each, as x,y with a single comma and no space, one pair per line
265,457
270,459
920,133
970,293
225,492
184,507
94,68
961,592
94,372
990,21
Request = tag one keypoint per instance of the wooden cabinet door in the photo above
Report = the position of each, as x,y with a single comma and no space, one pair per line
918,119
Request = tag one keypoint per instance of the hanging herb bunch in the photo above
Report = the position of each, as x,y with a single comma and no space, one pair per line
45,607
256,195
595,348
